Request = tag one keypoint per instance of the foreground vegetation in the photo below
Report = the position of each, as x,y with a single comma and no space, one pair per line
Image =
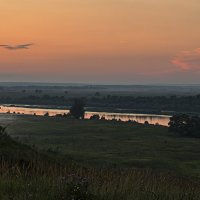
33,176
108,143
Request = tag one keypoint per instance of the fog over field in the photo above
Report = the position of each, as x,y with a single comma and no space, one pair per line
156,89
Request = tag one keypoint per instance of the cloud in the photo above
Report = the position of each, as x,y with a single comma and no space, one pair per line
188,60
17,47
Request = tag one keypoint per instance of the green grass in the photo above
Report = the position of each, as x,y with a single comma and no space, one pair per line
41,179
54,183
29,174
106,143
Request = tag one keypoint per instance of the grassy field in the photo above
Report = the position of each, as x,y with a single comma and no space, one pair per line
26,174
106,143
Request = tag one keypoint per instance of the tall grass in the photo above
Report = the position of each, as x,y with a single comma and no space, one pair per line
41,180
27,175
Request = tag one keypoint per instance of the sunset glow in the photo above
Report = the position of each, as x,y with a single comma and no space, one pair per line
101,41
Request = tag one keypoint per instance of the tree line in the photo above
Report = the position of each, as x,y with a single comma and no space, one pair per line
153,104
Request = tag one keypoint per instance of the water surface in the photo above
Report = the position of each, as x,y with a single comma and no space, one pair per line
141,118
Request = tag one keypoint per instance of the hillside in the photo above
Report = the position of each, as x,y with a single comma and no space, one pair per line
15,151
28,175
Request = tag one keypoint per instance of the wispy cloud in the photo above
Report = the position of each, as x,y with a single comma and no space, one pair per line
17,47
188,60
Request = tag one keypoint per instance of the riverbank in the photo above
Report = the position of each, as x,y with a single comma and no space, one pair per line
41,111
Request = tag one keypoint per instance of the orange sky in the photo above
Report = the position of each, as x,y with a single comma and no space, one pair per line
101,41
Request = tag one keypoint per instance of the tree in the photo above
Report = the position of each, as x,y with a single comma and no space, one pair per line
46,114
77,110
97,94
185,125
95,117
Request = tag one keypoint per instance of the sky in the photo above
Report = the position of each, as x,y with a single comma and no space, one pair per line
100,41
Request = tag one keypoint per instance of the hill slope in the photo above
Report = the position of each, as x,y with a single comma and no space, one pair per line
21,178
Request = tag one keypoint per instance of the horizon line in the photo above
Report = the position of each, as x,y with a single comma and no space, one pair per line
99,84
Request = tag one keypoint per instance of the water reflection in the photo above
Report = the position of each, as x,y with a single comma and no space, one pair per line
141,118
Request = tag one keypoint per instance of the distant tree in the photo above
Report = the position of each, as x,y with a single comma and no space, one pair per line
77,110
185,125
68,115
97,94
95,117
46,114
38,91
103,118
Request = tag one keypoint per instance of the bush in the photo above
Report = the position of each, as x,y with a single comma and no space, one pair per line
95,117
185,125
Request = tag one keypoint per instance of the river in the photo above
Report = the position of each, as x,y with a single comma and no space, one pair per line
140,118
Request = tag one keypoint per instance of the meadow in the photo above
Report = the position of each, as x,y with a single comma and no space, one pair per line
107,143
29,174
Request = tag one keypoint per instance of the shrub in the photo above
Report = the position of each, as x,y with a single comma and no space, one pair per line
185,125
